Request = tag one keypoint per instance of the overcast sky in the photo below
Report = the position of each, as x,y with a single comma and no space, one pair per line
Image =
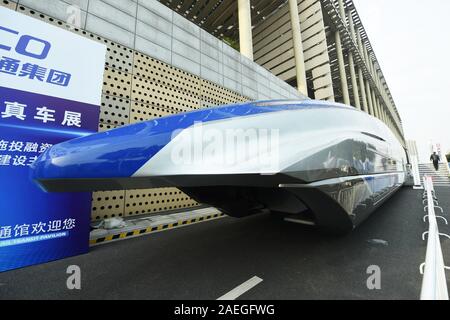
411,39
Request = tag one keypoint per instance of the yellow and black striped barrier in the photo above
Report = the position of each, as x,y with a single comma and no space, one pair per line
153,229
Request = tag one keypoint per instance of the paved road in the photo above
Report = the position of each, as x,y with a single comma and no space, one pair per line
207,260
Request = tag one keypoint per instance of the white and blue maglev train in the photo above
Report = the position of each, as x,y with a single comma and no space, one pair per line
329,164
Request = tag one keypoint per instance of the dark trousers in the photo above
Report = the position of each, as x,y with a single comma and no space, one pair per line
436,165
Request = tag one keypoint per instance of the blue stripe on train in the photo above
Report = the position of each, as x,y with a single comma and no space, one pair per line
121,152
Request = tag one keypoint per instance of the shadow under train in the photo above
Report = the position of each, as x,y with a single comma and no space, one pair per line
326,163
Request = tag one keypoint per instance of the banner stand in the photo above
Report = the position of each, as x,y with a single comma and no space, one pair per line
50,91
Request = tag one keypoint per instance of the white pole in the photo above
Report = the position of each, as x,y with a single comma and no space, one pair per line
298,48
245,28
342,73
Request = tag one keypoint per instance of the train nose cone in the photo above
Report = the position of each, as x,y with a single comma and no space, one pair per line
113,154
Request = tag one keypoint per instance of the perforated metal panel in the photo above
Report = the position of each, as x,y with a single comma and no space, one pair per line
119,57
9,4
114,110
40,16
107,204
142,112
156,200
104,127
165,75
116,83
168,97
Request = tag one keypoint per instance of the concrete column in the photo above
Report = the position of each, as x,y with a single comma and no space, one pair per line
369,97
382,88
365,54
375,106
352,26
391,110
360,46
379,78
298,48
363,91
383,111
374,74
354,82
379,110
368,60
379,99
385,101
372,65
387,113
366,57
342,11
352,63
245,28
342,73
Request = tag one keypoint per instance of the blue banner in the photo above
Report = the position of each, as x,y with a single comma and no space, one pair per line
36,226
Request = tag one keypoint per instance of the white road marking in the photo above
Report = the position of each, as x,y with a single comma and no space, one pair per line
240,290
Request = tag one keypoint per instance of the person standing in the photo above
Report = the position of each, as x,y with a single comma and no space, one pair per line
435,158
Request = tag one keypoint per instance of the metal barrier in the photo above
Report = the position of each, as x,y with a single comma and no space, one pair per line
434,283
415,172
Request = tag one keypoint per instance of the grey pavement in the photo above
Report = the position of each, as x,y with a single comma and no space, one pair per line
206,260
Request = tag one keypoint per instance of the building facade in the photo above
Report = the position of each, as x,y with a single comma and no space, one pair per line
166,57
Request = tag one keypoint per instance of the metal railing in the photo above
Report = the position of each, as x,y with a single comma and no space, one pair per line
434,283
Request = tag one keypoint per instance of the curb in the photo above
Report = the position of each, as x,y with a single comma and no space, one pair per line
140,231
